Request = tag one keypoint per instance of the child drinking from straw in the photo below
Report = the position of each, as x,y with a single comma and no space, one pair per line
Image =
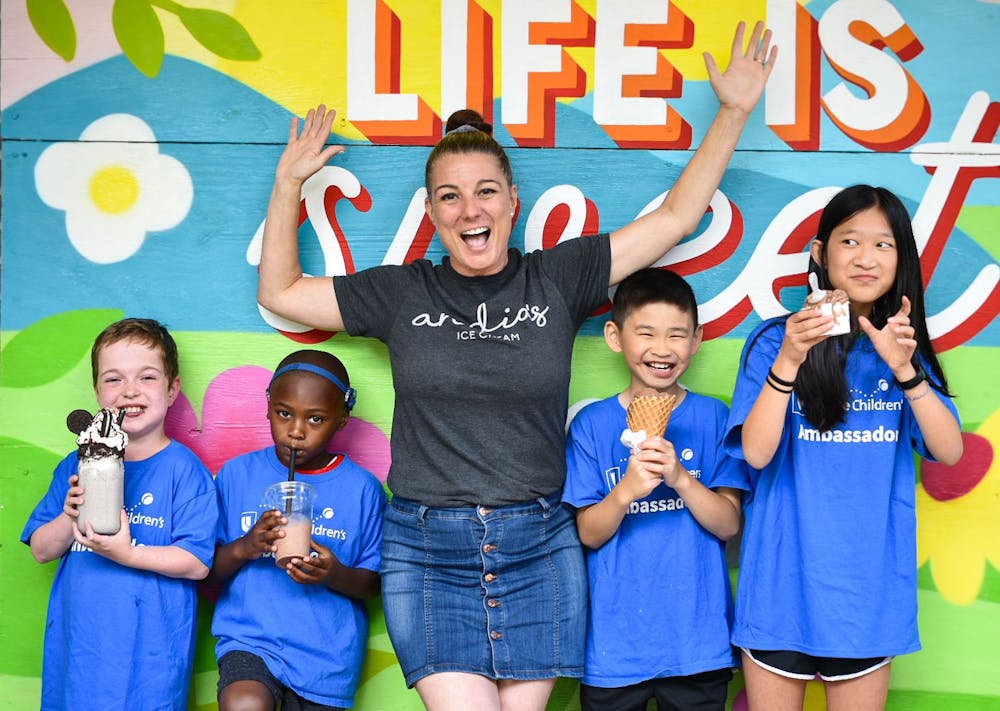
296,635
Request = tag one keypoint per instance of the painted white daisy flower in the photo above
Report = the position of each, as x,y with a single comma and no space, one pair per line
115,186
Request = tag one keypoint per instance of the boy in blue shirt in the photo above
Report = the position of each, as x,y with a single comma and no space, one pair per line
653,522
296,636
120,628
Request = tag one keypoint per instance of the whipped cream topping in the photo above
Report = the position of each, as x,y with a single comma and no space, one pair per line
105,430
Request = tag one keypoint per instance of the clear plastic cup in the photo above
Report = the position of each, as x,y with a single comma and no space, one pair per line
294,499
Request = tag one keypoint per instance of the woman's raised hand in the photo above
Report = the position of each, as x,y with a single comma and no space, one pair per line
742,83
307,152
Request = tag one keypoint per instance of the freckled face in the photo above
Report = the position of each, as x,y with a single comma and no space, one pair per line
131,376
860,258
472,206
305,410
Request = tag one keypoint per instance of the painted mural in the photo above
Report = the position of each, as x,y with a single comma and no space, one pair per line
140,138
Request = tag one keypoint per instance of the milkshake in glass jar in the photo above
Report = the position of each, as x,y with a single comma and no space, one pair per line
101,472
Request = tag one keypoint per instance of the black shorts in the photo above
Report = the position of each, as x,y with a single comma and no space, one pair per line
244,666
796,665
705,691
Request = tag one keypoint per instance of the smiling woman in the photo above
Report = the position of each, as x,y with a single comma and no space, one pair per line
480,347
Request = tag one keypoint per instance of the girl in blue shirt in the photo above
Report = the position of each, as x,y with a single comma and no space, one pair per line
829,424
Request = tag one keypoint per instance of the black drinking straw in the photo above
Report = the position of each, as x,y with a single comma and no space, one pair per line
291,477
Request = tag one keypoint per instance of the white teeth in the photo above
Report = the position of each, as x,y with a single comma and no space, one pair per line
477,231
660,366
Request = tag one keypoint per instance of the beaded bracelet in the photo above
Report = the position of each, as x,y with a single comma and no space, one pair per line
917,397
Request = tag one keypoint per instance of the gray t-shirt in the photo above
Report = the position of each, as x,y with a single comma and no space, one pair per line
480,367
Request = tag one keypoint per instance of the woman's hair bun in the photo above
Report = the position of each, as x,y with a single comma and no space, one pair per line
470,118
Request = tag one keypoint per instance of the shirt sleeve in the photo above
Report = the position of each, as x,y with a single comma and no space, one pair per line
51,504
222,501
581,268
727,470
369,300
759,352
584,485
369,556
196,514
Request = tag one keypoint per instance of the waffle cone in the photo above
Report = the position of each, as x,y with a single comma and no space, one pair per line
650,413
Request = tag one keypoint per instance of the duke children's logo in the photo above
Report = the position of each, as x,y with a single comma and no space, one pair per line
860,404
247,520
612,476
138,518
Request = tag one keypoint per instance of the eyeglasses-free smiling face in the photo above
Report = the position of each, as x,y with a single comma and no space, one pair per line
860,257
657,341
131,377
305,410
472,207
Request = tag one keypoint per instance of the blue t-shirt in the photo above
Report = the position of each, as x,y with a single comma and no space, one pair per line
829,564
117,637
311,638
660,603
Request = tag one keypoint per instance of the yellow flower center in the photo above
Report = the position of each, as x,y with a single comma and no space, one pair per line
114,189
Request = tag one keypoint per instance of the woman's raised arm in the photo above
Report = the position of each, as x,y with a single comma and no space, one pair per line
281,286
640,243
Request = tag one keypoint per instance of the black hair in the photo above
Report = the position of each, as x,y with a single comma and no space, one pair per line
652,286
467,132
321,363
820,383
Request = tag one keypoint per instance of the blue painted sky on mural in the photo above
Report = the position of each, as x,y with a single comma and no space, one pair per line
196,277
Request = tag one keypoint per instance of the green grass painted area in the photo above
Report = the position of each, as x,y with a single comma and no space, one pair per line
923,701
956,669
971,377
982,223
961,650
19,692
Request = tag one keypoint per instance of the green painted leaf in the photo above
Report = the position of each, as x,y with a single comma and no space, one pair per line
140,34
54,25
219,33
48,349
25,474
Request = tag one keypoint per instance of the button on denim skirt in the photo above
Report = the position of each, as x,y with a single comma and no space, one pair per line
495,591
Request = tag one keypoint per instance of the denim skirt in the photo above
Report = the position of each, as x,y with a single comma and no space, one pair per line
495,591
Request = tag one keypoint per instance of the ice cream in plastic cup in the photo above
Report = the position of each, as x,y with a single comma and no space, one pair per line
841,312
294,499
830,303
